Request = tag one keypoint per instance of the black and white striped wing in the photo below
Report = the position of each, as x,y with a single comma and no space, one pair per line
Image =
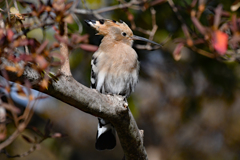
94,72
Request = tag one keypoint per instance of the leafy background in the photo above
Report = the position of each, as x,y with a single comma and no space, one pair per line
188,109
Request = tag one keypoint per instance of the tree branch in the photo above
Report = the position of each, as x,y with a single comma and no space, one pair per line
68,90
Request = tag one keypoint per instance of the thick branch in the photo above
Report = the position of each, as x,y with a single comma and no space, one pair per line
68,90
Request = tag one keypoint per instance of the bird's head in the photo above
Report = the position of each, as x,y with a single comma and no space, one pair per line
118,31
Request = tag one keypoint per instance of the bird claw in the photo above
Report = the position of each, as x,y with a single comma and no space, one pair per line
125,104
121,98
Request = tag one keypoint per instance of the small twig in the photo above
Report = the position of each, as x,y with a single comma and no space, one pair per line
32,149
10,139
15,5
26,117
202,52
80,27
16,36
8,12
175,10
105,9
154,25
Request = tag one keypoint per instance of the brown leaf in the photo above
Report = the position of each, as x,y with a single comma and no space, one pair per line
3,132
68,19
11,68
56,135
20,16
41,48
44,84
76,38
20,91
58,5
61,39
88,47
68,5
177,51
29,140
196,22
10,34
41,61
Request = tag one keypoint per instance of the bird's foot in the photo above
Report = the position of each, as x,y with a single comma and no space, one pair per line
121,98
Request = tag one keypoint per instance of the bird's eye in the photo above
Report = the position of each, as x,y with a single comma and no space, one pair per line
124,34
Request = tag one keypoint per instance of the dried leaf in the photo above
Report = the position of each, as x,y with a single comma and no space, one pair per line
11,68
3,131
220,42
27,139
197,24
26,58
31,97
177,52
44,84
88,47
14,11
56,135
130,16
61,39
20,91
36,130
58,5
11,108
68,19
41,48
48,128
69,5
41,61
10,35
76,38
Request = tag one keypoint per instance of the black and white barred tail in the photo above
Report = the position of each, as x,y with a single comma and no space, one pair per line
106,135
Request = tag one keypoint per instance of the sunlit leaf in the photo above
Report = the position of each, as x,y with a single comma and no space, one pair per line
235,5
14,11
44,84
220,42
11,68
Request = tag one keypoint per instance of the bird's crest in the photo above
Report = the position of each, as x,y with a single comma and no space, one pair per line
118,30
106,26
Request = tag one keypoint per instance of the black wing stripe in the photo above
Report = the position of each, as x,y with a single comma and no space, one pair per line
93,74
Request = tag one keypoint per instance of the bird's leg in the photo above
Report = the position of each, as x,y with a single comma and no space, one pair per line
120,98
125,104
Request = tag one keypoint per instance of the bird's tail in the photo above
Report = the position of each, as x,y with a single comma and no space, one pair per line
106,135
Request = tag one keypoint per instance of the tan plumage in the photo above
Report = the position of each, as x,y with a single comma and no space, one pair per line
114,69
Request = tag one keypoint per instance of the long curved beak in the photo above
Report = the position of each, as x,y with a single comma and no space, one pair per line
144,39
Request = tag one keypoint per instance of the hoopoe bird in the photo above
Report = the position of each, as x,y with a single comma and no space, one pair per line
114,71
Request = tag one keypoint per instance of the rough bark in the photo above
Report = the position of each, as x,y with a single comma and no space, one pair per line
68,90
